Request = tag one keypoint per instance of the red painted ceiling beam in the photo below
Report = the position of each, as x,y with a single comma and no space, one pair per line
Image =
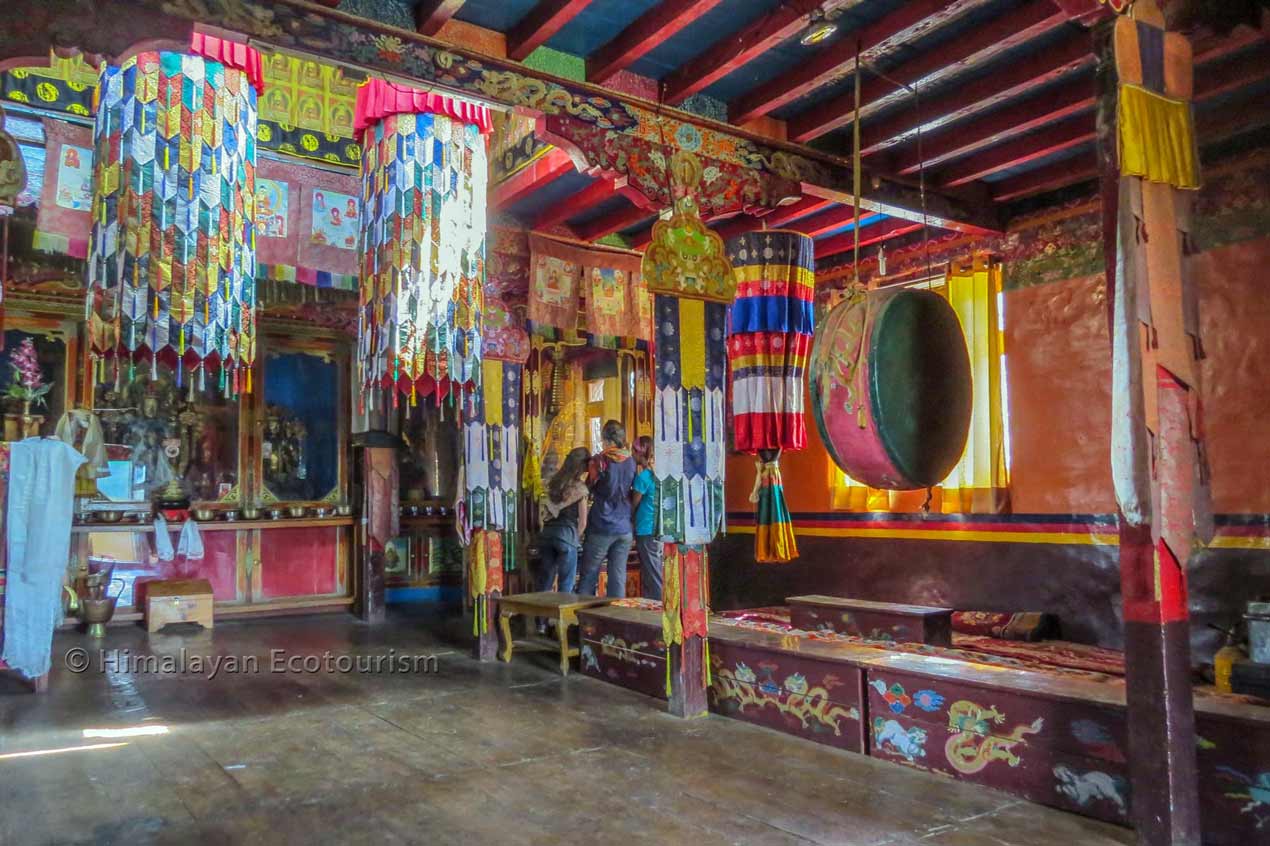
1019,77
543,21
803,208
874,233
1048,178
612,222
1029,148
911,20
1065,101
588,198
975,47
826,222
737,225
431,15
781,24
532,177
1052,106
647,32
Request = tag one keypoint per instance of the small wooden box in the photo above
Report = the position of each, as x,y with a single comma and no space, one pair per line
186,601
873,620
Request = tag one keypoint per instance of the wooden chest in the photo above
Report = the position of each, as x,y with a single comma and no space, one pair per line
186,601
872,620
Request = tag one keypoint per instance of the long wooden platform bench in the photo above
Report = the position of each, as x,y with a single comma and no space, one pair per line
1055,735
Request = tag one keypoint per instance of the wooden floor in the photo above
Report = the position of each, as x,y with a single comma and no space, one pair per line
471,754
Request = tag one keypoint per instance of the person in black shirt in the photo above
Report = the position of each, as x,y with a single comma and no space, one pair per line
563,516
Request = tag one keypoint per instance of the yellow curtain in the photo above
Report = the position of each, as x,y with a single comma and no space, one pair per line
1157,138
980,481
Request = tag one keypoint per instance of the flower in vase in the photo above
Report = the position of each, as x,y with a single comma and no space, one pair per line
27,383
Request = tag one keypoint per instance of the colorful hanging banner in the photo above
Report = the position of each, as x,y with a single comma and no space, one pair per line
64,218
307,225
491,449
307,94
772,331
505,336
172,261
424,183
555,283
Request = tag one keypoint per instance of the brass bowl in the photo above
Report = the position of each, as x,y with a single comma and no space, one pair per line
322,511
230,516
204,514
296,510
344,510
250,513
109,516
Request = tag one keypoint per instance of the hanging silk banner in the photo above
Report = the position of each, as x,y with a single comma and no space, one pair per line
772,332
555,283
172,261
424,181
491,449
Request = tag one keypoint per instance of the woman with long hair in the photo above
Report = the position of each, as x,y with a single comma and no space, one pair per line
644,500
562,514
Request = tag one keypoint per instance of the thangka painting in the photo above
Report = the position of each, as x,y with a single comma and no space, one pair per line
555,282
272,205
335,220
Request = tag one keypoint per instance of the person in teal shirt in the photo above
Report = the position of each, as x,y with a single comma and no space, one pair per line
644,499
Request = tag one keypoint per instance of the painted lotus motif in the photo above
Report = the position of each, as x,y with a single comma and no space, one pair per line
928,700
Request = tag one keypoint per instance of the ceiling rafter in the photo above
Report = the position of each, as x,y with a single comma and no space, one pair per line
532,178
976,47
1019,77
588,198
1051,177
825,222
911,20
537,28
739,49
614,221
431,15
874,233
647,32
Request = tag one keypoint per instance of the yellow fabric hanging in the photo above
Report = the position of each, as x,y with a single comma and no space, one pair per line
1157,138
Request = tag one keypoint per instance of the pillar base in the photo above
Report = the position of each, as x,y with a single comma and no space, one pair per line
687,678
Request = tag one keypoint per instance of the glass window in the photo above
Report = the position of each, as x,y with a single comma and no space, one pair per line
300,440
159,435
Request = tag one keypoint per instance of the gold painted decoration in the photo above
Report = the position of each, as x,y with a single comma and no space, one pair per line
685,258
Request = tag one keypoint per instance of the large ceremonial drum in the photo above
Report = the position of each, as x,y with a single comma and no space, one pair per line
891,388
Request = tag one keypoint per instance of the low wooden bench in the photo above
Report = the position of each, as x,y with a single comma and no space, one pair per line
561,607
872,620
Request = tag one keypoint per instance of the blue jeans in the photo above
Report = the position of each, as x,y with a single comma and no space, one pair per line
597,548
649,548
559,559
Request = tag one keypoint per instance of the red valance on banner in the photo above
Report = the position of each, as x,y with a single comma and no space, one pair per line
378,98
231,54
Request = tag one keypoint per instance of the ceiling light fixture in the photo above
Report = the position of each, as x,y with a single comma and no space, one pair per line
818,29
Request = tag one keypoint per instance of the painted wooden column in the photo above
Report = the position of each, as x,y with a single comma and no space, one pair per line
380,520
1150,169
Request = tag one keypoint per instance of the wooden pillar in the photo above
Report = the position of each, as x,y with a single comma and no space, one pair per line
1157,458
380,522
687,677
485,644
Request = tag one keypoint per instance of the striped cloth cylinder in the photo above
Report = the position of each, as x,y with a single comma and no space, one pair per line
424,180
772,330
172,260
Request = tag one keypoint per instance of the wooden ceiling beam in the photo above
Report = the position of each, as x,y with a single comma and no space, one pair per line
739,49
588,198
431,15
614,221
874,233
1019,77
531,178
537,28
646,33
1069,99
911,20
973,48
825,222
1051,177
803,208
1037,145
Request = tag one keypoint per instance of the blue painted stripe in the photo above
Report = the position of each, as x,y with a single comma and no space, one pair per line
773,314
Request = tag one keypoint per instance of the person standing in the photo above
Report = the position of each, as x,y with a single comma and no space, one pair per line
563,516
644,500
610,533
